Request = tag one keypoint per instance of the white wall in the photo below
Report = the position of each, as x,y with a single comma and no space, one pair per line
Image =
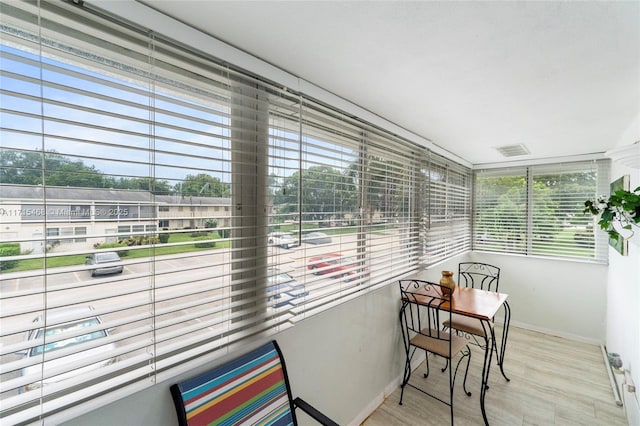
623,289
563,298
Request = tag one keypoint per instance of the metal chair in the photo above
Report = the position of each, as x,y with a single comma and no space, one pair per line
424,308
484,277
475,275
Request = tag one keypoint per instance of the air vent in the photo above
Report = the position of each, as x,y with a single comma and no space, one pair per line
513,150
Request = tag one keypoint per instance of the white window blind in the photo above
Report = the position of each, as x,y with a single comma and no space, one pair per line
538,210
236,207
500,210
446,209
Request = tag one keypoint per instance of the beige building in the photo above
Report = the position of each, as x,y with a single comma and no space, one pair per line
78,218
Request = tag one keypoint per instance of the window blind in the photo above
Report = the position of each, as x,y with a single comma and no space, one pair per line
446,209
538,210
237,208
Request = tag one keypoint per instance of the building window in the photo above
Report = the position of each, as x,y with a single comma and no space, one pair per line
80,230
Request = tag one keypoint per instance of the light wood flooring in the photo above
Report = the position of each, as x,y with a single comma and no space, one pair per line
554,381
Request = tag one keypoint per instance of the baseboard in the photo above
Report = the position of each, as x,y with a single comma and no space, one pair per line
629,399
378,400
557,333
374,404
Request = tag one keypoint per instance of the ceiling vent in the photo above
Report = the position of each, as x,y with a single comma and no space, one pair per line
513,150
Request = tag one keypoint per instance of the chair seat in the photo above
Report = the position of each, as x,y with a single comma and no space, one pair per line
439,346
466,324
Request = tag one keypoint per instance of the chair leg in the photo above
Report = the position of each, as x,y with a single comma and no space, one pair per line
407,373
466,373
426,363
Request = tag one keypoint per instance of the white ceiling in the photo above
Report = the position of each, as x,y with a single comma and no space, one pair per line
563,78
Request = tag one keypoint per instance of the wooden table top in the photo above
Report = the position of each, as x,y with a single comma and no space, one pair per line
471,302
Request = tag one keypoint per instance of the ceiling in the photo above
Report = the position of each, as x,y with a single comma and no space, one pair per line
562,78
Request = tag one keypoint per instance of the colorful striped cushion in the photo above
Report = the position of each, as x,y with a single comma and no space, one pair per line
250,390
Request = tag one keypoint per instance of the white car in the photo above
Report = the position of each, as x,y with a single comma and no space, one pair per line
44,341
283,239
316,238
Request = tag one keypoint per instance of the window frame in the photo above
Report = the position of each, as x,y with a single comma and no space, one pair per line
533,229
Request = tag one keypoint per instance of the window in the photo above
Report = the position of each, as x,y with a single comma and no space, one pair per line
118,131
537,210
446,208
80,230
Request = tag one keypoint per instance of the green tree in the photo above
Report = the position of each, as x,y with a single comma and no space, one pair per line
74,173
27,168
325,192
203,185
158,187
502,217
386,189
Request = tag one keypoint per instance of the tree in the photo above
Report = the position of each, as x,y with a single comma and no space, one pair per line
26,168
386,187
203,185
158,187
325,192
74,174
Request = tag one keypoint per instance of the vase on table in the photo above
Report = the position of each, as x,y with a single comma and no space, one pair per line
447,283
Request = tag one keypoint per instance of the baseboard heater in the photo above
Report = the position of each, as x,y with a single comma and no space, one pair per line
624,390
612,380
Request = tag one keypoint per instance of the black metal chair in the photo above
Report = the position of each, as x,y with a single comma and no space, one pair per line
484,277
424,308
475,275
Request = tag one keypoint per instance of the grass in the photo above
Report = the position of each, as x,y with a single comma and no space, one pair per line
132,253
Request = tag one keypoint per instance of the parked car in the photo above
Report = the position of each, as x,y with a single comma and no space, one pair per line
316,238
283,288
107,263
332,263
283,239
57,332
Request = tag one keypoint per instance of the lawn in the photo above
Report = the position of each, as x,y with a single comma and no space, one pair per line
132,253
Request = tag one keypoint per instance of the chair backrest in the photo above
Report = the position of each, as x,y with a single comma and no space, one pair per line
425,306
252,389
479,275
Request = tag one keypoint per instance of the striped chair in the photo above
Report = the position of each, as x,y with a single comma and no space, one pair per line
250,390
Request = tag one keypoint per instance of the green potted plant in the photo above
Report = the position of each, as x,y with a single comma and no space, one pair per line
618,211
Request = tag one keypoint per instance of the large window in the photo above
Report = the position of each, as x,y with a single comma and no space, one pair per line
158,207
537,210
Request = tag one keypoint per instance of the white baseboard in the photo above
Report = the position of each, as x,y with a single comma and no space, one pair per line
378,400
557,333
630,399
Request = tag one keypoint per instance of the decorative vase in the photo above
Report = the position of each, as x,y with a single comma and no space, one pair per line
447,283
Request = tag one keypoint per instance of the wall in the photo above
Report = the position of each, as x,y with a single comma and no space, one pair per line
562,298
623,289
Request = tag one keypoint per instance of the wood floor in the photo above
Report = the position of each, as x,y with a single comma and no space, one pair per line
554,381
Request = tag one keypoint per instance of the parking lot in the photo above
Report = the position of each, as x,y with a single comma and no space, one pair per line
177,293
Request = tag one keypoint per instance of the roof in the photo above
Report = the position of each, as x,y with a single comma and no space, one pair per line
38,193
